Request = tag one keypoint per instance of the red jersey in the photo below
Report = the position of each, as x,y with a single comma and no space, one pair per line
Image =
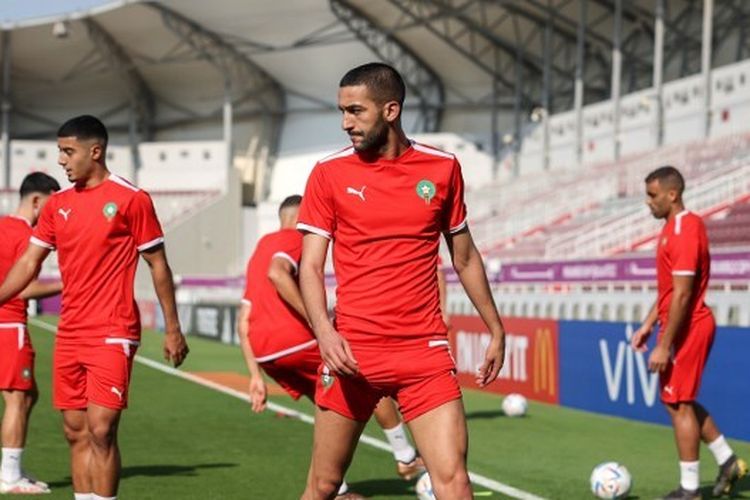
683,251
14,238
98,234
276,329
385,219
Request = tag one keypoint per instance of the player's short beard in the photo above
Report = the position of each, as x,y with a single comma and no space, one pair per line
375,139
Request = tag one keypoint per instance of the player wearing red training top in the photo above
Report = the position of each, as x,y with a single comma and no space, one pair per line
99,226
275,335
686,333
383,203
17,382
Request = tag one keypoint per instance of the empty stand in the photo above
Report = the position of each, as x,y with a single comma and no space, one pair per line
601,211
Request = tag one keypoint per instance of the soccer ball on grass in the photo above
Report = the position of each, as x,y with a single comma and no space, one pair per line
514,405
610,480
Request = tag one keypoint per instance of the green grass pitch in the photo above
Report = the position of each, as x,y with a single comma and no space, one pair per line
183,441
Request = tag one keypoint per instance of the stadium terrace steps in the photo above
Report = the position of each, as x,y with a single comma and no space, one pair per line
733,230
600,211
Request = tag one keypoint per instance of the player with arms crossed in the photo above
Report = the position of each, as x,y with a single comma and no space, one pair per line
17,382
99,226
686,333
275,335
384,202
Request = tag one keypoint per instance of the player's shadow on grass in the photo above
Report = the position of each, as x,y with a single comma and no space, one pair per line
154,471
170,470
485,414
383,487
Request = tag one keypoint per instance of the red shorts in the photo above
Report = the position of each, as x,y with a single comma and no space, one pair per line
419,373
681,379
16,358
95,370
296,372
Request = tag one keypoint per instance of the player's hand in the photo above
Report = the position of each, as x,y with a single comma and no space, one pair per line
258,394
336,353
639,338
659,359
175,348
493,362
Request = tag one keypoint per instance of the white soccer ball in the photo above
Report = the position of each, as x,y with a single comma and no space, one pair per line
424,488
515,405
610,480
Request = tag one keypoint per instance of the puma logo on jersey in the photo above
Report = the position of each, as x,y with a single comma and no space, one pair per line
117,391
360,193
669,390
64,213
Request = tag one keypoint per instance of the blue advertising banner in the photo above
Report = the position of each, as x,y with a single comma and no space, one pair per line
600,373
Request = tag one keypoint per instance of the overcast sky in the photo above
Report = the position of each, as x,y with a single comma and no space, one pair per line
19,10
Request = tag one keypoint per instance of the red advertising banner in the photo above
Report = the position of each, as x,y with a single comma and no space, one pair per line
531,363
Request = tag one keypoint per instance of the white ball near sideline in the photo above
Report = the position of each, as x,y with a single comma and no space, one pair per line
515,405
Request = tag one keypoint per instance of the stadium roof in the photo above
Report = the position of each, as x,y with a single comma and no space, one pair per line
163,67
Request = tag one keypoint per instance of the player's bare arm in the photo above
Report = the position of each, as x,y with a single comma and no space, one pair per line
641,336
281,274
468,264
175,345
678,312
38,290
257,388
334,350
23,272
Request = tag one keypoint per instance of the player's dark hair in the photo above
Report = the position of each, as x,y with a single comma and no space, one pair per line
38,182
667,176
85,128
290,201
383,81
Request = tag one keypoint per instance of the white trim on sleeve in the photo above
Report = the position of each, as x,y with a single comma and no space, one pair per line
287,257
312,229
678,221
18,217
286,352
41,243
431,151
151,244
458,228
122,182
683,273
246,302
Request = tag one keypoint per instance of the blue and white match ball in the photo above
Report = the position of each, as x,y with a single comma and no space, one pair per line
515,405
610,480
424,488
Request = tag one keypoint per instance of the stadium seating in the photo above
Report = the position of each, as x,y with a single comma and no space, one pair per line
600,211
731,229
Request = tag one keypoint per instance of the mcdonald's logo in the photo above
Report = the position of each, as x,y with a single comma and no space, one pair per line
544,362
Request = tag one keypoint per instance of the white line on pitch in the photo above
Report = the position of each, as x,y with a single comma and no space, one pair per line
304,417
